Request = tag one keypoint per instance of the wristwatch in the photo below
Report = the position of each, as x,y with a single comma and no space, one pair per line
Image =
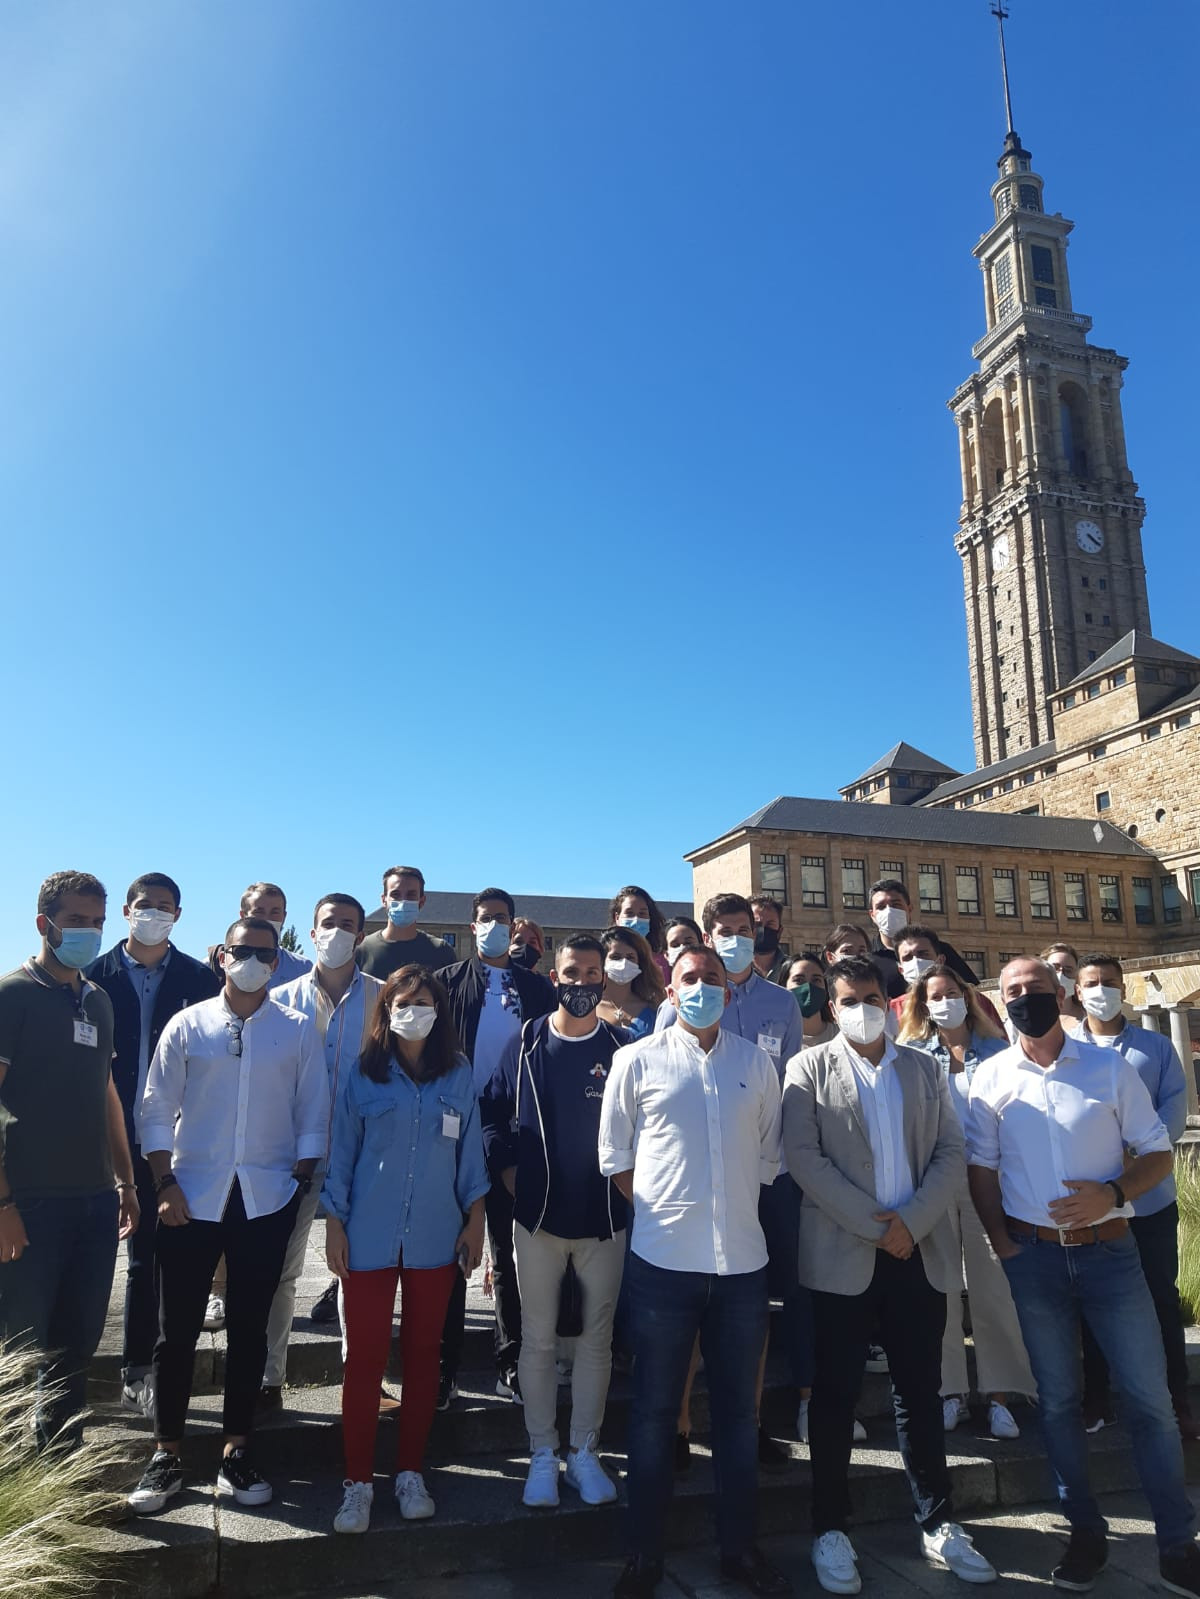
169,1181
303,1181
1120,1193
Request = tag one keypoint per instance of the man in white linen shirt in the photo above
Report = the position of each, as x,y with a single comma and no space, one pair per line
689,1131
1061,1137
234,1119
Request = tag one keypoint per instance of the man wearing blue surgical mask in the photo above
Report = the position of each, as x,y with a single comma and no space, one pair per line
400,942
490,996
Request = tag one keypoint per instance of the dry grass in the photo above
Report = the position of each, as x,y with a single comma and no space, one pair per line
1187,1181
47,1550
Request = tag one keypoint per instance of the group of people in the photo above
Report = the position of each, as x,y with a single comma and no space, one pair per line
677,1125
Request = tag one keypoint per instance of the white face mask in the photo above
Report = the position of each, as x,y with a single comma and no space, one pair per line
334,946
861,1024
249,975
1067,984
413,1021
622,971
892,919
916,967
674,951
1102,1003
151,927
278,926
950,1012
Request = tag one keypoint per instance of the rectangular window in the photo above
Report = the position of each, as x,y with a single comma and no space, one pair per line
976,960
854,885
1004,891
1103,583
1103,801
1028,197
1041,907
1119,679
1093,689
1143,900
1068,702
451,938
929,889
1110,899
1172,900
1042,261
772,876
1155,731
1075,894
1045,297
1026,779
1194,884
1003,275
892,869
966,890
1097,751
812,882
1106,620
1184,720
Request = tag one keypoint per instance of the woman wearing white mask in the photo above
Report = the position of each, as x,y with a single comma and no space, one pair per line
633,986
405,1165
942,1015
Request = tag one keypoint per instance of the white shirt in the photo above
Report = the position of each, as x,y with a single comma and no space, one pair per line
499,1020
881,1101
223,1116
701,1134
1074,1119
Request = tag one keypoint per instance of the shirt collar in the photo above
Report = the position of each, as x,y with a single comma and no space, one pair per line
692,1044
888,1058
136,966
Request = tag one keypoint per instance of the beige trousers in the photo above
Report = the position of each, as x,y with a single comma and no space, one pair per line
1001,1364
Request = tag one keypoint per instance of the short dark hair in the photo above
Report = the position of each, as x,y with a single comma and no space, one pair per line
701,949
404,871
587,941
683,921
149,880
1103,960
916,930
341,899
840,933
252,924
441,1052
855,969
653,914
59,884
491,893
261,888
764,902
889,885
724,905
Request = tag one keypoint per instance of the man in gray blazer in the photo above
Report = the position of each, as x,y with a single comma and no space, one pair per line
873,1143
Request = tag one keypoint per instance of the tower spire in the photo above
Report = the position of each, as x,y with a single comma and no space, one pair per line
1000,12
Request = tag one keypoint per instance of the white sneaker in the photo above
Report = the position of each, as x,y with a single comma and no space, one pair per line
355,1514
877,1359
541,1481
214,1313
954,1410
858,1432
949,1547
1000,1421
588,1477
413,1497
835,1563
802,1421
139,1396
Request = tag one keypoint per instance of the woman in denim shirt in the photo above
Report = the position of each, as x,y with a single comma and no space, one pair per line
943,1016
405,1165
633,987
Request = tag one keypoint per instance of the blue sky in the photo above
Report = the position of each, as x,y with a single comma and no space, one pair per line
512,438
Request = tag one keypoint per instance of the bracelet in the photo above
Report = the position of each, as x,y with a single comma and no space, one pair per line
126,1188
169,1181
8,1202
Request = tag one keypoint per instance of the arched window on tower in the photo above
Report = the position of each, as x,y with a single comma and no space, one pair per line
1072,415
994,455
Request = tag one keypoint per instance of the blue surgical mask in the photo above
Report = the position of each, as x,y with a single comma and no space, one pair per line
402,912
737,952
701,1004
640,924
491,938
79,947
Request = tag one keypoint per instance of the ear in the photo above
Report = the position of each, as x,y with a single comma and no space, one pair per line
708,940
179,913
421,903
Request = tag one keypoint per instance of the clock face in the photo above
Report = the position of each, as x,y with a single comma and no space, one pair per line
1000,553
1090,537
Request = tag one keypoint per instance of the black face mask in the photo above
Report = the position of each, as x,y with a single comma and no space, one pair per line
579,999
1033,1014
766,940
527,956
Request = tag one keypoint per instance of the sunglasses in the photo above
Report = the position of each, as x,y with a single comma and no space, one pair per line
241,952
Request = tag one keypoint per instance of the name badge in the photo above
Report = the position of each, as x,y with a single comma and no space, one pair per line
770,1043
451,1122
86,1033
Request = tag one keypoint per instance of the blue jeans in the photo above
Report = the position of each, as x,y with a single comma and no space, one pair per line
779,1217
667,1310
1052,1288
55,1298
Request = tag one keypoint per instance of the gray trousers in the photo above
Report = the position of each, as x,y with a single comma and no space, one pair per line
283,1306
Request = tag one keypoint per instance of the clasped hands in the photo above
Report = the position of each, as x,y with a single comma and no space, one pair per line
897,1241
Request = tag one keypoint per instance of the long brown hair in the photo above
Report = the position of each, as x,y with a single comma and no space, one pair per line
916,1022
441,1050
648,984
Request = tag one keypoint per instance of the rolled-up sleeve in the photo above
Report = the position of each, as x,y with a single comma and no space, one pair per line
770,1122
163,1096
982,1126
345,1143
1141,1126
471,1181
310,1106
618,1116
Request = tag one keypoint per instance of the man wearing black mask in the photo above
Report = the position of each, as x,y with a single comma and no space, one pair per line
769,960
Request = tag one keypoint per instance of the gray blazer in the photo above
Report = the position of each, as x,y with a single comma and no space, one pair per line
828,1155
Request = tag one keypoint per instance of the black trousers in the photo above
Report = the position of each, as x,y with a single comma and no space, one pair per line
187,1258
141,1280
1157,1239
506,1298
909,1318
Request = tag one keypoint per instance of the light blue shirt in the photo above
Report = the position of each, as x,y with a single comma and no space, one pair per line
1156,1061
342,1028
760,1012
146,982
290,967
977,1051
881,1100
405,1162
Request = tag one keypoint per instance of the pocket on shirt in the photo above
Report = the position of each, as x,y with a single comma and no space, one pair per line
379,1125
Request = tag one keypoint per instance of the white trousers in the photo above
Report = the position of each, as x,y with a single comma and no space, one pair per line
283,1306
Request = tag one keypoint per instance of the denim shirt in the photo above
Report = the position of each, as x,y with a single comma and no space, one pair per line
398,1181
977,1051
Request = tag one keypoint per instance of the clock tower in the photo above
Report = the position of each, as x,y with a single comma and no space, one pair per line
1050,526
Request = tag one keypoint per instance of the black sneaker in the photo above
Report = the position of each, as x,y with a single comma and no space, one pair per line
639,1579
683,1453
1085,1557
238,1477
754,1571
447,1391
325,1309
508,1386
161,1478
1179,1570
771,1456
270,1397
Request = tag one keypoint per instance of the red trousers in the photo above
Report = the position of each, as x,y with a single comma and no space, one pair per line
370,1297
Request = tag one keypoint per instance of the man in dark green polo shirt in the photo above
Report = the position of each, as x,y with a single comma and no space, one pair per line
66,1177
401,942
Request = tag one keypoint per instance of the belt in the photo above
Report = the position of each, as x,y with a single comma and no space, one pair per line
1069,1237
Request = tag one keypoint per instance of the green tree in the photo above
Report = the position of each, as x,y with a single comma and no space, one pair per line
291,940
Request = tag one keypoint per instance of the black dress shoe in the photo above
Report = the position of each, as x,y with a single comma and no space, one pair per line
1084,1559
639,1579
1179,1569
754,1571
771,1456
269,1397
683,1453
325,1309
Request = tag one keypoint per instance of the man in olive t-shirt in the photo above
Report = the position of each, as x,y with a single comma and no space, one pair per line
401,942
63,1131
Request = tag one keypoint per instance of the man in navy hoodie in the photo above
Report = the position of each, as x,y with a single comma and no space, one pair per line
540,1112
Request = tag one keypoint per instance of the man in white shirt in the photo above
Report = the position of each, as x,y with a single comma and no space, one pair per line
689,1132
234,1119
1062,1136
871,1138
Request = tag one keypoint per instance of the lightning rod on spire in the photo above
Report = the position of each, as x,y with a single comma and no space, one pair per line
1000,12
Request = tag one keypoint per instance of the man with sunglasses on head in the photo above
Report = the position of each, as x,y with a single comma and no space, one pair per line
234,1119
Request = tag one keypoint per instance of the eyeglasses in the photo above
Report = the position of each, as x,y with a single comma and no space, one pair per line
235,1038
241,952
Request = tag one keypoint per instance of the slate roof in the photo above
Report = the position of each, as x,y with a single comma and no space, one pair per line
1140,645
918,825
550,910
988,774
903,757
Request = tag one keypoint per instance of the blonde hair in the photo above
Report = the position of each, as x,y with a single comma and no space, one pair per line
916,1022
